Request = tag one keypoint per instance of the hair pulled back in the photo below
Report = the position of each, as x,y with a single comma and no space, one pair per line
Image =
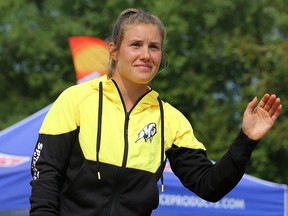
128,17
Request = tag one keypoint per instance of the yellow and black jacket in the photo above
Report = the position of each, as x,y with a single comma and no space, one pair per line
93,157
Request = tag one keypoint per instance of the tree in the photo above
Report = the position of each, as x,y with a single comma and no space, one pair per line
220,55
226,53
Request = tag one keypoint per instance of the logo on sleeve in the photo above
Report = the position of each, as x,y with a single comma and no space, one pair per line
36,155
147,132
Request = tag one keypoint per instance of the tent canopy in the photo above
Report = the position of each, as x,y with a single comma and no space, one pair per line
252,196
16,148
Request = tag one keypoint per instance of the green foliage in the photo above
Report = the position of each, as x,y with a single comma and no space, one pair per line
220,54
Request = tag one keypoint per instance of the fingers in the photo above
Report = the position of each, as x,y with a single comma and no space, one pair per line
277,110
274,107
271,104
267,101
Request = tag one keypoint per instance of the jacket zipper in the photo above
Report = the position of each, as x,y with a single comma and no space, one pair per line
115,199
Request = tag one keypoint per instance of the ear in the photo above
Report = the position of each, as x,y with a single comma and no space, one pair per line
112,50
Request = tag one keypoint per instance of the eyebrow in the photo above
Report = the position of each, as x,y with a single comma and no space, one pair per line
139,40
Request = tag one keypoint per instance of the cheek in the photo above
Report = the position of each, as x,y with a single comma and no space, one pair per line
128,56
157,58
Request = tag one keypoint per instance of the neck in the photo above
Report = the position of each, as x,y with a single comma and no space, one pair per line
130,91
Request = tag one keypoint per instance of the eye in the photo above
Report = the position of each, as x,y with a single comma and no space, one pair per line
136,44
155,47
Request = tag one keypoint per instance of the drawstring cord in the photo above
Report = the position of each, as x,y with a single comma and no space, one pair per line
100,107
100,104
162,140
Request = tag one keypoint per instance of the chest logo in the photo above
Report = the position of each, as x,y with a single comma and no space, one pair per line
147,132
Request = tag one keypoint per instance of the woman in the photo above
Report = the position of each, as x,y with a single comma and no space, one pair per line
104,143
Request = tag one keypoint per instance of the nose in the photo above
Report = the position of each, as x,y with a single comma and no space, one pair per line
145,54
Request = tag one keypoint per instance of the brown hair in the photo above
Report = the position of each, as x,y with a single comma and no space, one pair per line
132,16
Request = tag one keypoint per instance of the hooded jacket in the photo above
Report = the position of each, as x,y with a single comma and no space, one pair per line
93,157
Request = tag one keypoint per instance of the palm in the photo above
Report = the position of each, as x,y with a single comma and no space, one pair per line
257,121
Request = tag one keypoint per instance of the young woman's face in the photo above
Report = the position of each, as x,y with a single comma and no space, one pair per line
139,56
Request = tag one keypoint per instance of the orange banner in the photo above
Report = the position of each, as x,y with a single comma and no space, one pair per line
90,57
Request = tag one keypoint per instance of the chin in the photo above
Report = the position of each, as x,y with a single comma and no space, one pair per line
144,81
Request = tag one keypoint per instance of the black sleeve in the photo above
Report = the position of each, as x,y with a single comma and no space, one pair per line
49,162
211,181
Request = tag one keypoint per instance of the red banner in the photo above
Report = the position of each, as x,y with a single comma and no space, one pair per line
90,57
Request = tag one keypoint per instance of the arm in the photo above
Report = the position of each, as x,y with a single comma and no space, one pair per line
49,163
213,181
56,139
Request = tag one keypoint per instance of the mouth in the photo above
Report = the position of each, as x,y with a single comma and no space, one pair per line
144,66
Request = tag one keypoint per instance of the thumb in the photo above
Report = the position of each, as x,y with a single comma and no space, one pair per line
251,105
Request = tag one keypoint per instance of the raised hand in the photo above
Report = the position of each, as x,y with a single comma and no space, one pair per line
259,119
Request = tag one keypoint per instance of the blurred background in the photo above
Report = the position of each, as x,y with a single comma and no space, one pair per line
220,55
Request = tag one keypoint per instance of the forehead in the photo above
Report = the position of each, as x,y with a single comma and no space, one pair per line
142,31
